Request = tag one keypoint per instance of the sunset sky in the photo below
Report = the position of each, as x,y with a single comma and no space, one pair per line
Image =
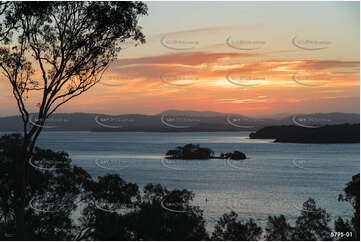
251,58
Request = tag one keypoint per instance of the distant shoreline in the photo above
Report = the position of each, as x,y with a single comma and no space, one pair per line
171,122
329,134
138,131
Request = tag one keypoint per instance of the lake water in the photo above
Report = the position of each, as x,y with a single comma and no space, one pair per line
275,179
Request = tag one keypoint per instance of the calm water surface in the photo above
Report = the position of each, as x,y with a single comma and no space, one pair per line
276,179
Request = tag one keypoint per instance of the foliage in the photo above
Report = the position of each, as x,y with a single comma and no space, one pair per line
70,43
112,209
229,228
313,223
235,155
54,52
45,191
352,195
278,229
189,152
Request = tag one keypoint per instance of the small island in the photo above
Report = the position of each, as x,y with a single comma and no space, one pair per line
195,152
329,134
235,155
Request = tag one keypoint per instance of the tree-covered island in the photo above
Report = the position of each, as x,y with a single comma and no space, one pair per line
195,152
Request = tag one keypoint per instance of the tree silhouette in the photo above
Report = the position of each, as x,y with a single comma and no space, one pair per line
71,45
104,197
345,227
49,196
190,151
229,228
109,208
278,229
352,195
153,222
312,224
112,209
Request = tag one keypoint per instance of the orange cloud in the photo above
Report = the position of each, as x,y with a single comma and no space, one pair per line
227,82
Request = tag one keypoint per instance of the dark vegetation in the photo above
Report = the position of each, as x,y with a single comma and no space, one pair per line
61,191
190,152
343,133
56,51
235,155
71,44
195,152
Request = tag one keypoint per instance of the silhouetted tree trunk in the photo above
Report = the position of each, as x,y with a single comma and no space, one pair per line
71,44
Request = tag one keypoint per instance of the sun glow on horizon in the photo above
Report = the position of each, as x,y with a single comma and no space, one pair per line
243,65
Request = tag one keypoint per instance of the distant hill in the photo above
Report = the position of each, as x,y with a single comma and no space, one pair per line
174,121
191,113
274,116
329,134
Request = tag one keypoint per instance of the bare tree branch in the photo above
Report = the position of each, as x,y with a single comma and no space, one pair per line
65,47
